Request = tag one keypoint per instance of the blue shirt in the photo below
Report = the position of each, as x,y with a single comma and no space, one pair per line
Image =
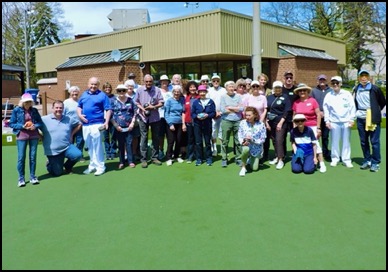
173,110
93,106
304,140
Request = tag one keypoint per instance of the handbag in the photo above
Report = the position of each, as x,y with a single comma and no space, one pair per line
271,116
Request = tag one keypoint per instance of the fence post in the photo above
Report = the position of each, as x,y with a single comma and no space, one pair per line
43,102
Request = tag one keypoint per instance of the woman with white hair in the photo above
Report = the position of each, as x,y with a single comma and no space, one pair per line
70,109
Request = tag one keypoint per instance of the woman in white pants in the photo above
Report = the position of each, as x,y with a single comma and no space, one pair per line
340,113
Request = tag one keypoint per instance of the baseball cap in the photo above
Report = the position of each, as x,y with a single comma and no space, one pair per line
277,83
363,72
336,78
288,73
299,116
322,77
202,88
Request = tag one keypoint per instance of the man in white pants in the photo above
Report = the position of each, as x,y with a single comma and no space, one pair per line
215,93
339,113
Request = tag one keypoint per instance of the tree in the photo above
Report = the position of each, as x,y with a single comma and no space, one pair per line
26,26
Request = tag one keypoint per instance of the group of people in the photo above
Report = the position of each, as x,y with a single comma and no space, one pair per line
192,117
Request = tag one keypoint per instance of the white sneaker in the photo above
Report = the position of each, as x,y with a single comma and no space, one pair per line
280,165
322,168
99,172
169,162
89,171
242,172
180,160
274,161
333,163
348,164
215,153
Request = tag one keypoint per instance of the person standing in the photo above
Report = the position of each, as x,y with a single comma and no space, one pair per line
164,88
70,109
319,92
149,99
304,148
174,113
191,96
130,84
110,141
369,101
215,93
25,122
251,135
123,121
340,113
59,130
94,111
202,113
232,109
308,106
288,89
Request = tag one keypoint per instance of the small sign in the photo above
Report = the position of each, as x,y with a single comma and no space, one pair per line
9,139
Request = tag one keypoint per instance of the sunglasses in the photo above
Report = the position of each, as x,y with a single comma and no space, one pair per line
335,83
255,86
242,86
148,81
215,81
205,81
299,121
121,90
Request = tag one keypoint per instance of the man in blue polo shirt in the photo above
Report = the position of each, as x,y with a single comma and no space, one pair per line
58,130
94,111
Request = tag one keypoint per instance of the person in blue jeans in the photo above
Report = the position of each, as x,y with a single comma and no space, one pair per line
369,100
25,122
304,146
58,133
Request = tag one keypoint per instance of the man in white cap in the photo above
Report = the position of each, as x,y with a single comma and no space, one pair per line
215,94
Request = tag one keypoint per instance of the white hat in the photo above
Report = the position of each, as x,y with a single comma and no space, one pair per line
164,77
129,82
276,83
255,82
216,77
121,87
299,116
337,78
27,97
205,77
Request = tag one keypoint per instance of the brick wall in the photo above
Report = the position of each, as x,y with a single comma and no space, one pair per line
10,88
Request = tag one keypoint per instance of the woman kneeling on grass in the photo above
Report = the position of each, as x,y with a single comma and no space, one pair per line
251,135
304,146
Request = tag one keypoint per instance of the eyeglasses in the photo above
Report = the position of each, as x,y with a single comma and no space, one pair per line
148,81
255,86
242,86
299,121
335,83
121,90
215,81
205,81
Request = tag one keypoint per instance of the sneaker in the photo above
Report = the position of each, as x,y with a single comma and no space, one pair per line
348,164
21,183
280,165
322,168
180,160
144,164
169,162
209,163
224,163
215,153
99,172
198,163
121,166
374,168
82,160
88,171
274,161
365,165
243,172
132,165
34,181
239,162
157,162
333,163
189,161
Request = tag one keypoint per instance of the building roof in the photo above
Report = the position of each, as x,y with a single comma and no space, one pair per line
51,80
304,52
12,68
106,57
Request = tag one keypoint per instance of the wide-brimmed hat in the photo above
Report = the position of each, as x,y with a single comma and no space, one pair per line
26,98
121,87
299,116
205,77
302,86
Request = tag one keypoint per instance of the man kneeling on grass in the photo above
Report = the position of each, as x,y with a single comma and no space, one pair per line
58,131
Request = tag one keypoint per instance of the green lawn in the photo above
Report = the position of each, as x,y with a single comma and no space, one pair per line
188,217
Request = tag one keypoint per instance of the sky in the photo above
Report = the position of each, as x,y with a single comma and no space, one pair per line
95,20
